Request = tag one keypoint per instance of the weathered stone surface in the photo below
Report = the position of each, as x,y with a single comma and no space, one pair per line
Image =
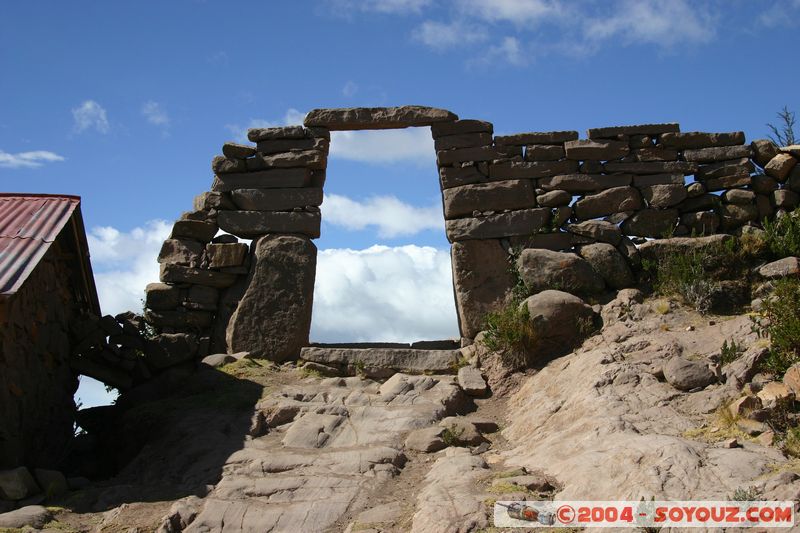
558,319
545,269
662,196
764,206
595,150
609,263
555,241
701,223
732,216
582,183
530,169
773,393
201,298
17,484
453,477
162,296
463,140
181,319
698,139
738,196
377,118
426,440
784,198
285,132
716,154
276,146
475,153
462,431
763,184
274,316
218,359
651,223
522,222
554,198
494,196
658,179
251,224
537,137
383,362
657,249
793,149
653,167
181,252
223,165
482,281
637,129
693,190
792,378
276,199
225,255
779,166
782,268
654,153
194,229
727,182
170,349
704,202
34,516
212,200
238,151
733,167
314,159
440,129
607,202
455,176
599,230
52,482
181,274
471,381
544,152
686,375
263,179
763,151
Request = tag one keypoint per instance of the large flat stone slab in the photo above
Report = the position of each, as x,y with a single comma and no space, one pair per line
250,224
383,362
262,179
495,196
276,199
522,222
377,118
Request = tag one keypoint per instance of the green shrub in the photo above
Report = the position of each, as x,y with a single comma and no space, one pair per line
782,313
783,235
510,332
686,276
730,352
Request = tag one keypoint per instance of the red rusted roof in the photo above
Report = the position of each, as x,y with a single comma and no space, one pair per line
29,223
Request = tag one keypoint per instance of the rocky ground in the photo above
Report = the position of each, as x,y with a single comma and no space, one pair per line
637,411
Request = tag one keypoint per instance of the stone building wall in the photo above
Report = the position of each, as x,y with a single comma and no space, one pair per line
501,194
36,382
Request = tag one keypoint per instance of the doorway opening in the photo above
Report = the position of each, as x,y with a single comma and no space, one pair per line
383,267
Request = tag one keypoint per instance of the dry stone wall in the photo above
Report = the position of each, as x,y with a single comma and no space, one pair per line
597,197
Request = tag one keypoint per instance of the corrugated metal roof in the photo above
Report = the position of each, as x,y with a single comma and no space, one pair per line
29,223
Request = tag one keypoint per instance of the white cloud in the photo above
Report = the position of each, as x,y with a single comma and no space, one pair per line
379,6
89,115
384,146
781,13
440,35
155,113
391,216
125,262
519,12
388,294
509,51
350,89
653,21
32,159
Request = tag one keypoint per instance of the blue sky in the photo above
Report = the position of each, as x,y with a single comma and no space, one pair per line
125,104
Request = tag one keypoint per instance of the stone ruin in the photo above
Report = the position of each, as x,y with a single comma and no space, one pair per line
547,199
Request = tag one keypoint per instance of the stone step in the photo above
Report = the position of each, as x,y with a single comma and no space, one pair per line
446,344
383,362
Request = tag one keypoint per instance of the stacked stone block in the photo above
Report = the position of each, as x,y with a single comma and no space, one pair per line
596,198
274,188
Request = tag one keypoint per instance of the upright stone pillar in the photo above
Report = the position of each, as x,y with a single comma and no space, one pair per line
273,318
